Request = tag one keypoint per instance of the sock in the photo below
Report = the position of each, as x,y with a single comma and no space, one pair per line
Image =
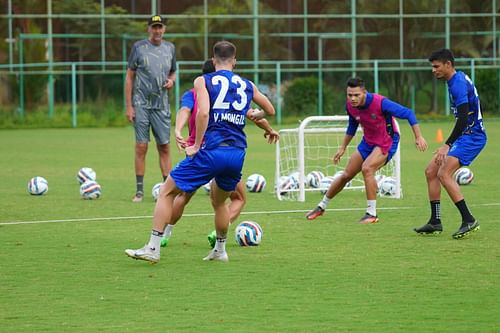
435,212
220,244
168,230
372,207
154,241
464,211
165,178
139,183
324,202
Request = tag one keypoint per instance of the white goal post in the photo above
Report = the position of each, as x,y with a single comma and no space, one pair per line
311,147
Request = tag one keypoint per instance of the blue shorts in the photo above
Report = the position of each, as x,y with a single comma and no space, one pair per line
223,163
366,149
467,147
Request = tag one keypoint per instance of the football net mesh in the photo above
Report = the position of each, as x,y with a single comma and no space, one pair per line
311,147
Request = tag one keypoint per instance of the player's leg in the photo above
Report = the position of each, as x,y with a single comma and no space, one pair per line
141,127
228,175
352,169
188,176
464,150
180,202
162,215
160,124
164,159
433,226
238,201
371,164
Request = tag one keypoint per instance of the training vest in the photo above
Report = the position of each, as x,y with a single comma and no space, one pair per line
378,128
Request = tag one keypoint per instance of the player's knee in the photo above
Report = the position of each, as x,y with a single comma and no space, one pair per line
367,170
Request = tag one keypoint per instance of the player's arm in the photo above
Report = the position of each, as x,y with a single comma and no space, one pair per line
169,83
201,115
180,122
460,123
271,135
399,111
352,127
129,83
261,100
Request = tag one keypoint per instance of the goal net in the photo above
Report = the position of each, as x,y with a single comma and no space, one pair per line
305,153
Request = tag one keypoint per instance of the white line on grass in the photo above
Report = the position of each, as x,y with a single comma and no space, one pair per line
114,218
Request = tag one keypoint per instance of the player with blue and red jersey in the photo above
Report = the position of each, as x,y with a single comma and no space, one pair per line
223,100
375,113
464,144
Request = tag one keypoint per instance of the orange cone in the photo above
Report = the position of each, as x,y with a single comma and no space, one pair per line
439,136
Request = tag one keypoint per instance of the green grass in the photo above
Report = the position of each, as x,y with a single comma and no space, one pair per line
330,275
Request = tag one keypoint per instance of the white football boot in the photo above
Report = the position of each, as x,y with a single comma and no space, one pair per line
216,255
146,253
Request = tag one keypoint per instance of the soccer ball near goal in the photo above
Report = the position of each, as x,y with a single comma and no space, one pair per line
313,179
90,190
248,233
85,174
38,186
285,184
387,187
155,192
325,183
256,183
463,176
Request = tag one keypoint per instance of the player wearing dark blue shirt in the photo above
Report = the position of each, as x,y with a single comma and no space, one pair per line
464,144
223,99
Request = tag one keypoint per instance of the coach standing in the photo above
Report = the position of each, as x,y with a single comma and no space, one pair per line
150,74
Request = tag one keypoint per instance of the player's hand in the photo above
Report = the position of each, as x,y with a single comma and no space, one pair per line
256,114
421,143
338,155
440,154
130,114
180,142
272,136
192,150
168,84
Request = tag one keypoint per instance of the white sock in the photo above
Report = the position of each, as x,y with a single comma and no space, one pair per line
220,245
324,202
154,241
168,230
372,207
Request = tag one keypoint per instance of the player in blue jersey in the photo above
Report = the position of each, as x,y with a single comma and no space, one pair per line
187,115
464,144
223,103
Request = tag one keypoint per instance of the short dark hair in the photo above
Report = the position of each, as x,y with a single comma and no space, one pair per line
443,55
354,82
224,50
208,66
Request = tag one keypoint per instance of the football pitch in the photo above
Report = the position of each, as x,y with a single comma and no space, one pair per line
63,267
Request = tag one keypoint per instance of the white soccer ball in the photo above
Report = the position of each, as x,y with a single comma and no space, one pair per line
463,176
248,233
90,190
256,183
85,174
155,192
313,178
325,183
285,184
387,187
38,186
